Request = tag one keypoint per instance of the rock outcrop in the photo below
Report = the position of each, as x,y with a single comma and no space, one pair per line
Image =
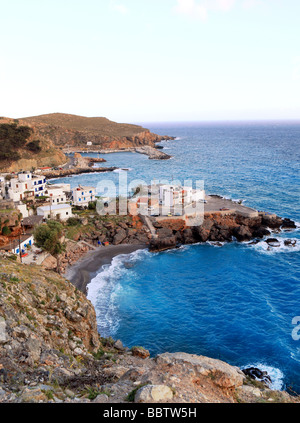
217,228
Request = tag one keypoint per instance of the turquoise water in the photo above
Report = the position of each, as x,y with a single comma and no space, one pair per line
234,302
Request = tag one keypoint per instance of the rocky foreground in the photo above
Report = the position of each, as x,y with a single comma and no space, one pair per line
50,351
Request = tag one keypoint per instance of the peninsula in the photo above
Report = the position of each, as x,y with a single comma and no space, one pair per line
31,142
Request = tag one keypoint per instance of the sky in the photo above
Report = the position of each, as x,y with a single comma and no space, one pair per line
151,60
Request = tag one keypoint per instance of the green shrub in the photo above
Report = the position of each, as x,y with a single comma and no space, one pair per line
6,231
73,221
34,146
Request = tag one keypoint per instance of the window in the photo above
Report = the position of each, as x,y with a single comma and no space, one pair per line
67,213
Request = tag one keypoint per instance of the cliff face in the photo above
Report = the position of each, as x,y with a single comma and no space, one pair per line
50,351
70,131
36,151
216,228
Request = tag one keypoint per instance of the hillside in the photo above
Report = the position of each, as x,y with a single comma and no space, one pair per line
50,351
23,148
99,125
68,131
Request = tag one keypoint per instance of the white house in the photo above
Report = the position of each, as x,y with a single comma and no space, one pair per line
56,194
38,184
25,183
55,211
25,242
82,196
17,189
172,195
169,195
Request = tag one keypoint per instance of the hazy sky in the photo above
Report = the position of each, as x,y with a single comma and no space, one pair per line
151,60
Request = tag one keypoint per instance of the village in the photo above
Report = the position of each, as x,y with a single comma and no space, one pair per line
27,200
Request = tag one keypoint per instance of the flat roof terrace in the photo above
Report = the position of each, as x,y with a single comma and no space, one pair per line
215,203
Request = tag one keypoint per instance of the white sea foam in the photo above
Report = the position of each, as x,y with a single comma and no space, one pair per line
120,170
105,287
217,244
275,374
265,248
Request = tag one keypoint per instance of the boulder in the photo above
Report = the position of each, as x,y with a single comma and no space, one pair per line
261,232
163,244
257,374
119,345
242,233
290,242
288,223
273,242
3,332
119,236
140,352
153,393
223,374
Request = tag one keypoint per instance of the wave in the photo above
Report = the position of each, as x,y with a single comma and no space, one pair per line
275,374
122,170
217,244
105,287
265,248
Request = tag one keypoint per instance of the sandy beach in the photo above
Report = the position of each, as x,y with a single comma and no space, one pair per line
81,273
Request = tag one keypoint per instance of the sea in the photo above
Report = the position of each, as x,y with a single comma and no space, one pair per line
237,302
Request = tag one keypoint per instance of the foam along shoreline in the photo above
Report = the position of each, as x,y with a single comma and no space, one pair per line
81,273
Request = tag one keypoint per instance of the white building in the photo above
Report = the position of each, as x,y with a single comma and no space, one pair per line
38,184
169,195
25,242
55,211
82,196
172,195
26,183
56,193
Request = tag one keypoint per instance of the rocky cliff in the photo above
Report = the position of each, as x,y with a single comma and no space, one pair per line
22,147
50,351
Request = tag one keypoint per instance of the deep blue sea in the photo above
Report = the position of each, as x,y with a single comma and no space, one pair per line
234,302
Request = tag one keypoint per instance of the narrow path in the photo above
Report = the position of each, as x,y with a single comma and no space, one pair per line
150,226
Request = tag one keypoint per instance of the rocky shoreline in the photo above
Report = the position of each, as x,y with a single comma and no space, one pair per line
216,228
61,173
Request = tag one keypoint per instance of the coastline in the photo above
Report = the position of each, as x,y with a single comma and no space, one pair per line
80,273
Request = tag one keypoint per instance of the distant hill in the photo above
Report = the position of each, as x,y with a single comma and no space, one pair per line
67,130
99,125
42,140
